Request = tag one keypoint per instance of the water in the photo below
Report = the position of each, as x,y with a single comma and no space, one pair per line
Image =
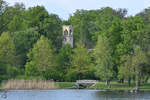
72,95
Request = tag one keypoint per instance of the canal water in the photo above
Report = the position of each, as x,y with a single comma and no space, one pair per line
72,95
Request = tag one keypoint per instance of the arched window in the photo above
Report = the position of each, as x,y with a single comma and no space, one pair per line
70,31
65,32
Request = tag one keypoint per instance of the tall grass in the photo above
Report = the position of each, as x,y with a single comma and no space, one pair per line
28,84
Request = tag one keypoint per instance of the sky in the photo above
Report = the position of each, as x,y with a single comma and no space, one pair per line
65,8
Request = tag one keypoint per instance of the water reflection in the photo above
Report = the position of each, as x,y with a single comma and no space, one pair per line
3,94
123,95
73,95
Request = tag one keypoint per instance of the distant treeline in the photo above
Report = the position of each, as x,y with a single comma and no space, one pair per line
108,45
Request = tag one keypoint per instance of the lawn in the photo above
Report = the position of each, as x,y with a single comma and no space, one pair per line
145,86
64,85
118,86
101,86
113,85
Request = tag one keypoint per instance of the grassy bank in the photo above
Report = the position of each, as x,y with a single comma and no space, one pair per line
67,85
118,86
64,85
102,86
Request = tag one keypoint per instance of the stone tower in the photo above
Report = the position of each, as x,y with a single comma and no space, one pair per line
68,35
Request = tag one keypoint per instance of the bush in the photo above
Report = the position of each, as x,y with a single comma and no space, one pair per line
52,74
71,76
30,69
3,77
12,71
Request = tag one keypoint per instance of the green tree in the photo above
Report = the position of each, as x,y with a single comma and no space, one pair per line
24,41
36,16
52,29
63,60
12,71
7,52
113,35
13,18
139,61
126,70
48,25
42,57
17,24
104,63
84,26
30,69
88,24
132,36
80,61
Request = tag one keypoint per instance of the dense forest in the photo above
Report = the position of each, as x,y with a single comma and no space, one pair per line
108,45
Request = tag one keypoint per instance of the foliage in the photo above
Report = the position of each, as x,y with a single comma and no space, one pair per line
80,61
30,69
63,60
12,71
89,24
104,63
24,41
132,37
41,56
7,52
47,25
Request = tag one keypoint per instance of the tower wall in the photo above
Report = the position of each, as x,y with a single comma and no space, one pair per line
68,35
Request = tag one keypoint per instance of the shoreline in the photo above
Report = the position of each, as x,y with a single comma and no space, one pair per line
99,86
104,90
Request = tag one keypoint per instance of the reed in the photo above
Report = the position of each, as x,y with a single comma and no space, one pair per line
28,84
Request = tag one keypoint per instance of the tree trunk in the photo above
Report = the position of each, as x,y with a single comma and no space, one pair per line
146,79
134,80
107,82
79,76
138,81
129,81
138,85
122,81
